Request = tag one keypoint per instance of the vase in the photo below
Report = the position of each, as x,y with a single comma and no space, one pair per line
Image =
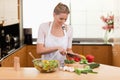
106,37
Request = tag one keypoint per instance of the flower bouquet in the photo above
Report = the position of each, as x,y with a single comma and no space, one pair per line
109,25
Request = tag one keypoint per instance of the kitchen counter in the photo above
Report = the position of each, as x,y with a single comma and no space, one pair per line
92,44
105,72
87,43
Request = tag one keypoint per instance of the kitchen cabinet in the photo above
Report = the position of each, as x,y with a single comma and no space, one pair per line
77,49
9,61
22,53
8,12
116,53
102,53
1,11
32,49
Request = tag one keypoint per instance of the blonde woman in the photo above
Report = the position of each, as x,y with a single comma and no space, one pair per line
55,38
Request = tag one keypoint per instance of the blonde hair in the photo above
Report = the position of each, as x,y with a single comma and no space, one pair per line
61,8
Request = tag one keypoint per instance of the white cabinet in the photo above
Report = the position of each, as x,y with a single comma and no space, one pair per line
8,12
1,11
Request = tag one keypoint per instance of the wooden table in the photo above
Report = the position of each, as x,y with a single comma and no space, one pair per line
105,72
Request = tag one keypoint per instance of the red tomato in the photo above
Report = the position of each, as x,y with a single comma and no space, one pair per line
71,58
90,58
77,59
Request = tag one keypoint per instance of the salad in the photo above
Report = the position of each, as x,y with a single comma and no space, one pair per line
45,65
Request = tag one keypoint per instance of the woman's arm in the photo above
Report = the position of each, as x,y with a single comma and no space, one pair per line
41,49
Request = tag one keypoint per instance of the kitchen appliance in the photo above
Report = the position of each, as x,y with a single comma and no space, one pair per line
16,41
9,38
28,35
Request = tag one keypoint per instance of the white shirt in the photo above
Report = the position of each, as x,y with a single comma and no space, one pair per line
52,41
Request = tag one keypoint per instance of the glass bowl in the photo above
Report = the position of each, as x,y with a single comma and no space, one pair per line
45,65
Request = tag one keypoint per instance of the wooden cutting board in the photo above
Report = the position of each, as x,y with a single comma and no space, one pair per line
76,65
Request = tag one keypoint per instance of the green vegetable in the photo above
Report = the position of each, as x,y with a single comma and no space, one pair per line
69,61
83,61
94,65
86,70
77,71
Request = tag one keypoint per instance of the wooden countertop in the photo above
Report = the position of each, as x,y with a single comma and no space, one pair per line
105,72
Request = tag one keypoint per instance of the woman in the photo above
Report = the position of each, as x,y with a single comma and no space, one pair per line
55,38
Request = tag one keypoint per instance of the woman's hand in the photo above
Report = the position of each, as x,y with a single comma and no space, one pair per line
74,54
62,51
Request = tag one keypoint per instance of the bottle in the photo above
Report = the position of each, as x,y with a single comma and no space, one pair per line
16,63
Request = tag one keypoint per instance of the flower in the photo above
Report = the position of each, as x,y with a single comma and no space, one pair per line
109,22
109,25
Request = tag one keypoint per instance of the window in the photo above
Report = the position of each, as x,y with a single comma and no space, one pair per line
84,17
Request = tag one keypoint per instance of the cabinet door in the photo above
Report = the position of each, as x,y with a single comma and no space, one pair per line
32,49
1,11
21,53
116,55
10,12
103,54
9,61
77,49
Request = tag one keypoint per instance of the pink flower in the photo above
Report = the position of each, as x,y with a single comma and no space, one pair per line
111,17
109,22
103,18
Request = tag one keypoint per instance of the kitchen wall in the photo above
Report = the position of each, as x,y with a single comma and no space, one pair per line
84,18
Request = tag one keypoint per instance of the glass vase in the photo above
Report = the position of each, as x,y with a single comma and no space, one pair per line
106,37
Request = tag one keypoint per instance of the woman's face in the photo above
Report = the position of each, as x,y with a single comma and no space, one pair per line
60,19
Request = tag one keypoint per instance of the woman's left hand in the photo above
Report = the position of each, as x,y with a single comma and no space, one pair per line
62,51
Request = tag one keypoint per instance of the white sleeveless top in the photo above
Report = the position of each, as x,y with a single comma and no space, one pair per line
52,41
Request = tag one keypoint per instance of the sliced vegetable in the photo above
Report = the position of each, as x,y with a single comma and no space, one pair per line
82,56
77,59
83,61
85,70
